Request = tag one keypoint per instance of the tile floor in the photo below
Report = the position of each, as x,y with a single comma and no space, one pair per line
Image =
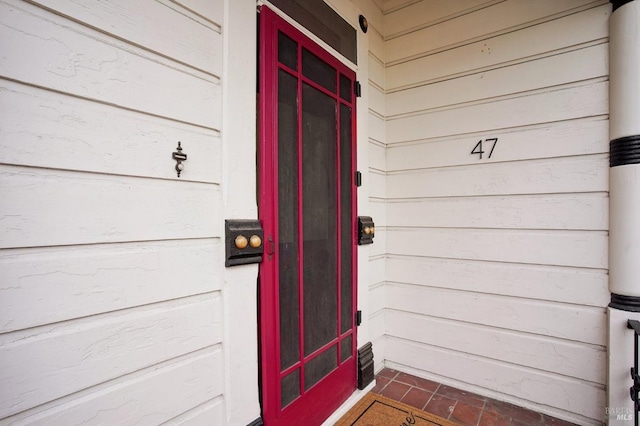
458,406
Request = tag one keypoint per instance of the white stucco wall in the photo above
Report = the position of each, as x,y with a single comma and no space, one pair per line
496,268
115,304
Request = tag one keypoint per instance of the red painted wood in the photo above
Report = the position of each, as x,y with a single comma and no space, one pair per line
317,403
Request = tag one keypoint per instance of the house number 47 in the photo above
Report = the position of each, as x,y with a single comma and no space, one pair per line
478,148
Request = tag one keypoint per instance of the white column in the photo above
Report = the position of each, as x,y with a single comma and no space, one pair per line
624,203
624,122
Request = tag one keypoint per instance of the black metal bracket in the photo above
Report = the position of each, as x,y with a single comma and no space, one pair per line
179,156
366,230
243,242
365,365
635,389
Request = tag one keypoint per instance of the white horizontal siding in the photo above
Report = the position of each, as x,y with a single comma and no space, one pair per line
67,57
376,128
48,207
409,19
377,100
581,401
564,321
562,175
378,210
567,358
191,40
496,267
537,211
481,24
585,99
553,36
56,131
377,298
377,155
584,63
197,377
211,10
376,71
551,140
47,363
60,284
377,184
588,287
209,413
377,270
111,267
561,248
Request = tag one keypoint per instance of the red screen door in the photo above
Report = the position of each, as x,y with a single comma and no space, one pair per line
307,208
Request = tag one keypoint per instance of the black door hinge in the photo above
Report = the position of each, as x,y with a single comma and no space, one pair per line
358,318
357,89
358,179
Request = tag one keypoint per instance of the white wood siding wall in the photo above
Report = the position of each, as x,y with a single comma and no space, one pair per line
372,163
110,266
496,269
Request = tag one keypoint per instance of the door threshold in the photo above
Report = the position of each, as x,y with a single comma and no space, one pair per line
348,404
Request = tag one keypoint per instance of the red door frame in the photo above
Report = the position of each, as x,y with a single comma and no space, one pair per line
317,403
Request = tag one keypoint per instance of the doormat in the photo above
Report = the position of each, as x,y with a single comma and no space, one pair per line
376,410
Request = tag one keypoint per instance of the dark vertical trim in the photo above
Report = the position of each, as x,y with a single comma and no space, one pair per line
619,3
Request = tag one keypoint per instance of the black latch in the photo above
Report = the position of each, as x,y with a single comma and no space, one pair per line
366,230
357,89
179,156
358,179
358,318
243,241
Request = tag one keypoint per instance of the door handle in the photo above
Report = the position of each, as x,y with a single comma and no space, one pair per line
270,247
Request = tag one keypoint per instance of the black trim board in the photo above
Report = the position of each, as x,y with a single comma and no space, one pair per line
625,303
323,21
623,151
618,3
257,422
